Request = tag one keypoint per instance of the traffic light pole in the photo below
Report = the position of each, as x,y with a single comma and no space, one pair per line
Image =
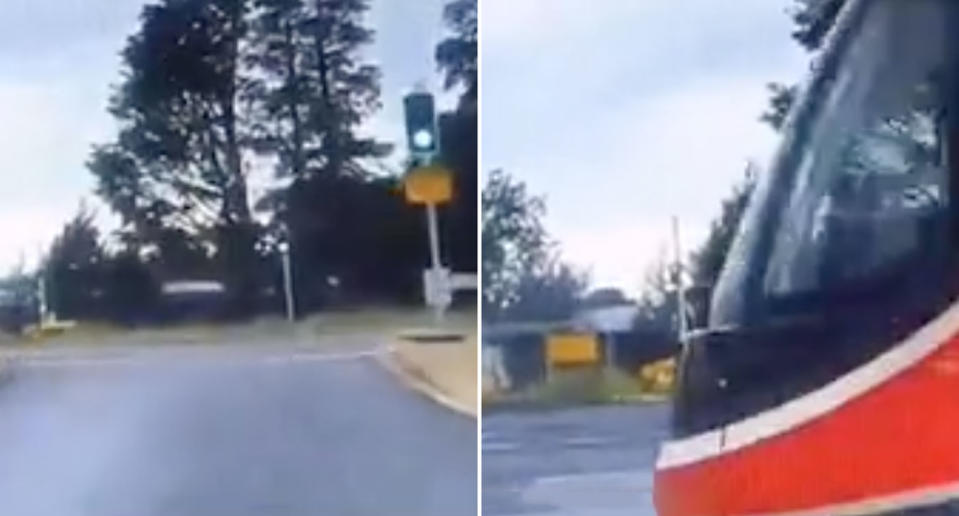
288,284
432,222
423,140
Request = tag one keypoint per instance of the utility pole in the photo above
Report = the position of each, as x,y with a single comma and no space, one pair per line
41,289
678,281
288,281
41,299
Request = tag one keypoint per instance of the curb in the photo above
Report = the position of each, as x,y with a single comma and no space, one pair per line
429,335
415,380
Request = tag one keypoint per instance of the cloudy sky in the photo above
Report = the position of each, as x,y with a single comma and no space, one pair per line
58,59
624,113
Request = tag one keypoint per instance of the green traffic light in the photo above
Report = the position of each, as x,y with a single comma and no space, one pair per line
423,139
420,122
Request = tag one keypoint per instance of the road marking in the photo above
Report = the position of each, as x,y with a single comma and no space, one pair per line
587,441
499,447
611,493
636,479
154,356
322,357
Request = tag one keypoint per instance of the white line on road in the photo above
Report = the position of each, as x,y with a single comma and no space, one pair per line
499,447
152,356
615,493
635,479
322,357
587,441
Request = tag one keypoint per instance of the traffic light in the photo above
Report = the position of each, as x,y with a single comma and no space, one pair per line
421,125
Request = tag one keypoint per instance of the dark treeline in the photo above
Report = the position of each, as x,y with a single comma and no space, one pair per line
211,89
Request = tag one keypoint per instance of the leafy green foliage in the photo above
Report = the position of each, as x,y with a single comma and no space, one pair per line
523,278
177,158
708,261
74,267
18,306
350,231
176,168
457,54
359,233
780,104
456,57
547,292
313,89
813,19
459,152
84,281
658,303
206,86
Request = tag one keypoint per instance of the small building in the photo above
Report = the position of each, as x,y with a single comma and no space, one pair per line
16,311
607,319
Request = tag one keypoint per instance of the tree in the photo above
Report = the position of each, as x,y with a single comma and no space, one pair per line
73,269
779,105
456,58
18,299
513,237
361,232
457,54
658,303
459,153
707,262
178,160
813,20
549,292
315,89
523,277
132,290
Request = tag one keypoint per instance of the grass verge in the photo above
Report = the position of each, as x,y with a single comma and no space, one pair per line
584,386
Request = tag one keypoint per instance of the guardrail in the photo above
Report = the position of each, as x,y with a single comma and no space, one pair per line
463,281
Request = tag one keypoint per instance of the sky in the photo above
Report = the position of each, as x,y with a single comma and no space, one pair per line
626,113
58,60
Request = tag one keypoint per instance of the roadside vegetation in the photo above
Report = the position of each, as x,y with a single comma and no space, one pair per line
212,92
526,279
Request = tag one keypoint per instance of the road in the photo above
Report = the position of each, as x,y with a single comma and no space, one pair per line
227,433
594,461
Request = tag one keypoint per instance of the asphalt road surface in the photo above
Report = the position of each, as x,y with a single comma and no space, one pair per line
227,433
595,461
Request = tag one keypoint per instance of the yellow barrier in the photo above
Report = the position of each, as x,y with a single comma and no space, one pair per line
659,377
571,349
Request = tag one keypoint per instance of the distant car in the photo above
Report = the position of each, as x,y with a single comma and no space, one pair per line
16,311
193,300
192,287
